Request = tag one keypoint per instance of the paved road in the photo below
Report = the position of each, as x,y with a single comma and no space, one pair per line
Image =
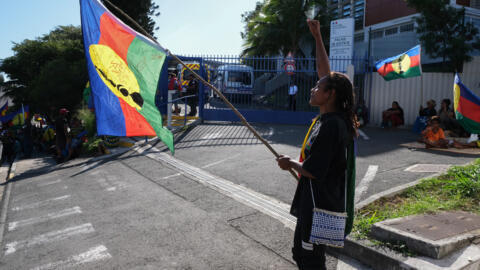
146,210
232,152
127,213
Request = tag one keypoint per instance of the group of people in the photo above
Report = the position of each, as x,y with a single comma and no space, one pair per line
190,92
61,137
434,126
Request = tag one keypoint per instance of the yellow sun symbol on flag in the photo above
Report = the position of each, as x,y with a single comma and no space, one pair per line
401,64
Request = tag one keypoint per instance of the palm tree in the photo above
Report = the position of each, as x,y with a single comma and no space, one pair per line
279,26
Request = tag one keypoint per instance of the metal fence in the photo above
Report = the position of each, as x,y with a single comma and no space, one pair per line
259,86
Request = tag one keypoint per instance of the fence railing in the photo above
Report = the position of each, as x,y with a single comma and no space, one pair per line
258,83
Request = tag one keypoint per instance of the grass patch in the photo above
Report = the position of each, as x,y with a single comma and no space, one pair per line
458,189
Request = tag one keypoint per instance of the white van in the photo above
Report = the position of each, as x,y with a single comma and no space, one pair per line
234,79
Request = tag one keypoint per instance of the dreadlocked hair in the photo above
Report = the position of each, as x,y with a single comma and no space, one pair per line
345,99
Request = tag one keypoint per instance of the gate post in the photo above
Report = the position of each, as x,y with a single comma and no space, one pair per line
201,92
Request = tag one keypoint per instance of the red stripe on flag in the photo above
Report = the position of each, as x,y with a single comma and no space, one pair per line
469,109
414,60
115,36
385,69
135,123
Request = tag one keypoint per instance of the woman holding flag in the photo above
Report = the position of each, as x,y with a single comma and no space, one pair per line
327,166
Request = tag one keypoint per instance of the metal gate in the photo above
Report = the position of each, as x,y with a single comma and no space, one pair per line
259,86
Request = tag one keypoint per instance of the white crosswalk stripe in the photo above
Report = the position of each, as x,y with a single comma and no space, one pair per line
39,204
12,247
94,254
66,212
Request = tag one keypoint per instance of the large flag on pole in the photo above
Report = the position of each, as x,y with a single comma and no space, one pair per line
401,66
124,68
467,107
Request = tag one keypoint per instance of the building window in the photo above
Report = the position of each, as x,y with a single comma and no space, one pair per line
357,9
377,34
406,28
346,7
346,13
359,37
359,3
391,31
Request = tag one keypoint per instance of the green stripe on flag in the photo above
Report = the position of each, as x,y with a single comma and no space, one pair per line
468,124
411,72
146,63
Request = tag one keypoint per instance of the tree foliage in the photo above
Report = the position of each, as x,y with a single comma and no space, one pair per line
48,71
279,26
444,32
142,11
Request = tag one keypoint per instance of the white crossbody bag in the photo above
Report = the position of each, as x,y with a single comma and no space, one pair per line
328,228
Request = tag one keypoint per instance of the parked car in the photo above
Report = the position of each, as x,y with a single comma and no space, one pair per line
234,79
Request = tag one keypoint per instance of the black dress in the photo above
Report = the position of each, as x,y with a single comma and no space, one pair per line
326,159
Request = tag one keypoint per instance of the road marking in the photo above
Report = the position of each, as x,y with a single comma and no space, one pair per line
39,204
94,254
258,201
12,247
363,135
49,183
66,212
364,183
428,168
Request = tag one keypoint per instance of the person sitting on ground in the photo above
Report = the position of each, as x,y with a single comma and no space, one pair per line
393,117
423,117
454,128
429,111
433,135
443,112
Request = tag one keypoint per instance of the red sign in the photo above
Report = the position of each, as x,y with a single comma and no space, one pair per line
289,64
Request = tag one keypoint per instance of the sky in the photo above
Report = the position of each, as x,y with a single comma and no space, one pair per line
186,26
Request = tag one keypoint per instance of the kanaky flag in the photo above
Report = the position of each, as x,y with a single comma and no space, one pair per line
402,66
467,107
124,68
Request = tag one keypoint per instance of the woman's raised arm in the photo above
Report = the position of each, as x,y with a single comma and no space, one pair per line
323,64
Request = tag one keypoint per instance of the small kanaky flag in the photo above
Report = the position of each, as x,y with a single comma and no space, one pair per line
467,107
402,66
124,67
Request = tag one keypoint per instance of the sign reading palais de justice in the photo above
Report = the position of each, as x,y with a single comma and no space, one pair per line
341,43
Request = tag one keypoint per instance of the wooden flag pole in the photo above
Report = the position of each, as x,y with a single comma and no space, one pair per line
242,118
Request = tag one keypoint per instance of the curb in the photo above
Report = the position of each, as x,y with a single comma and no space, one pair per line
369,256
